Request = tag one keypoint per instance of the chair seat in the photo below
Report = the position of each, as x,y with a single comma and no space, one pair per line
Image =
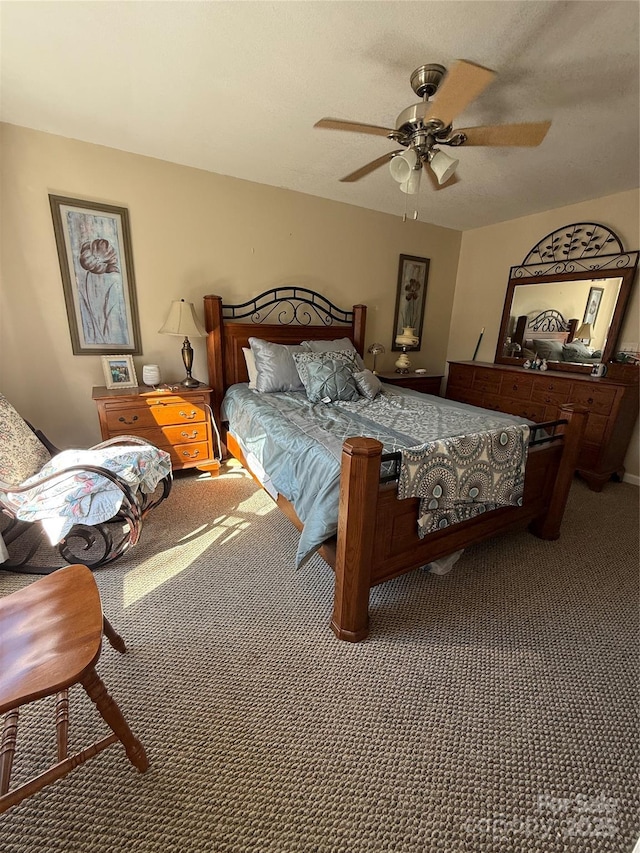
51,633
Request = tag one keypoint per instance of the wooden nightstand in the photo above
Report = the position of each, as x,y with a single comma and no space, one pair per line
175,419
426,384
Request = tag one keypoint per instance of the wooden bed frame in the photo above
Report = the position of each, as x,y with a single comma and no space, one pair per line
377,535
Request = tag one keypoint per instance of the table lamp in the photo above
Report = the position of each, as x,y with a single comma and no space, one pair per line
182,320
375,350
406,340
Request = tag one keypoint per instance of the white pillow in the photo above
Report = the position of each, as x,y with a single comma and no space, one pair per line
252,370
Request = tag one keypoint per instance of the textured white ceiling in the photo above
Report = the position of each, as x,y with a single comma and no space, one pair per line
235,88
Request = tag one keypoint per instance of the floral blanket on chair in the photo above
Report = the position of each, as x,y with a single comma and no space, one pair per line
84,497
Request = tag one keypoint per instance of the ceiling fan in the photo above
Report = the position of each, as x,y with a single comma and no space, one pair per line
422,127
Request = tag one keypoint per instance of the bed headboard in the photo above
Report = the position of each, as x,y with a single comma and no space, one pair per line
283,315
548,325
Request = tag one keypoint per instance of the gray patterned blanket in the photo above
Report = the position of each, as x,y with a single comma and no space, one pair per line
460,477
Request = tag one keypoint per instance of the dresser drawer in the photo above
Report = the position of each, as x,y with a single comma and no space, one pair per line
156,413
599,400
517,387
168,435
549,398
486,380
183,454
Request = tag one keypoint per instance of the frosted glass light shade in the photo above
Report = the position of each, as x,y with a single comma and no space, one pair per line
443,166
402,165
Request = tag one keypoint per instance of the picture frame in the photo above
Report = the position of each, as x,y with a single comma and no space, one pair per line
96,263
413,275
119,371
593,304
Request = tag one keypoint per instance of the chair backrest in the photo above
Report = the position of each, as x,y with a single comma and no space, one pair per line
22,454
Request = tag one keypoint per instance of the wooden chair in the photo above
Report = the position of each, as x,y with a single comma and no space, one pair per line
50,639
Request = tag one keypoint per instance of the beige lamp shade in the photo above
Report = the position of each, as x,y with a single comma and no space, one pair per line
584,333
182,320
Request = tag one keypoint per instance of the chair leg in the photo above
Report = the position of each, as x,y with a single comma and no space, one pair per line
112,715
7,749
62,724
112,635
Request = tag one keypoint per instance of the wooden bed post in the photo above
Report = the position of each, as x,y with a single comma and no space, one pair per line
359,481
359,325
215,350
547,526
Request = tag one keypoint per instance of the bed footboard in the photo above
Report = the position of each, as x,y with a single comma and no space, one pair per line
377,534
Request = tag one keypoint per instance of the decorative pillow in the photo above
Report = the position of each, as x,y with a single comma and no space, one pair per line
276,370
330,379
368,384
575,350
302,361
551,350
252,370
339,345
22,454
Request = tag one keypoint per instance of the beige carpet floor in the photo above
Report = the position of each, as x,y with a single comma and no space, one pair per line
492,709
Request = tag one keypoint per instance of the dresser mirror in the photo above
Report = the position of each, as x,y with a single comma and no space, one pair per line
566,302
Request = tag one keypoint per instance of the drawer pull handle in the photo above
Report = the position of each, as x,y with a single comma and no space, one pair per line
590,400
193,455
194,434
125,421
190,416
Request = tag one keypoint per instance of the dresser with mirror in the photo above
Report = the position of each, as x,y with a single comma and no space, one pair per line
565,304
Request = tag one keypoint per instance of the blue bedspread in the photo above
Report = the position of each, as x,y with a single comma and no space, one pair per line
299,444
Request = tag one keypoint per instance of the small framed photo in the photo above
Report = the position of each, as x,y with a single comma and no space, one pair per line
119,371
593,305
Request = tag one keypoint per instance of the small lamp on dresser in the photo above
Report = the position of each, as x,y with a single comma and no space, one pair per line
182,320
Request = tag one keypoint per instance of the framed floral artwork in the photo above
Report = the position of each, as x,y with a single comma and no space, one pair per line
96,263
410,299
119,371
593,305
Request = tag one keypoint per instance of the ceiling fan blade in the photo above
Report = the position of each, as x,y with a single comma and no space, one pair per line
462,85
370,167
507,134
353,126
434,181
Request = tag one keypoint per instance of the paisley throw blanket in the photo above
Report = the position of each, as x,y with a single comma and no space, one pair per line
460,477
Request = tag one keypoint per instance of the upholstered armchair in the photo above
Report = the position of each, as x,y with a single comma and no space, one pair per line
88,504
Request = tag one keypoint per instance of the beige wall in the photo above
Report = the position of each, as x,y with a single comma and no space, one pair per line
193,233
488,253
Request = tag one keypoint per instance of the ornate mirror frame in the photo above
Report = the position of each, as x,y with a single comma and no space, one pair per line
577,252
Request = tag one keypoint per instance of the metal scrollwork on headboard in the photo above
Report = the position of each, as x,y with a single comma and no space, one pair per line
583,246
289,306
548,321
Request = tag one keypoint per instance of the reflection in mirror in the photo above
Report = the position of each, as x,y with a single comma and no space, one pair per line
549,319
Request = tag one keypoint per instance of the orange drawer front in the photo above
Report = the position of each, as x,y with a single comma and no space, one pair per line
182,454
156,414
169,435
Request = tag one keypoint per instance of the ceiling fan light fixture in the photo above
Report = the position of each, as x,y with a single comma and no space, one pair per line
402,165
442,166
412,185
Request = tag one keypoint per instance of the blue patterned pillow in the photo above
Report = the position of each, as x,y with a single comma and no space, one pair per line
302,360
328,379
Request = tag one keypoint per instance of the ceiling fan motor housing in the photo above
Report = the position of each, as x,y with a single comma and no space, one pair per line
426,79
